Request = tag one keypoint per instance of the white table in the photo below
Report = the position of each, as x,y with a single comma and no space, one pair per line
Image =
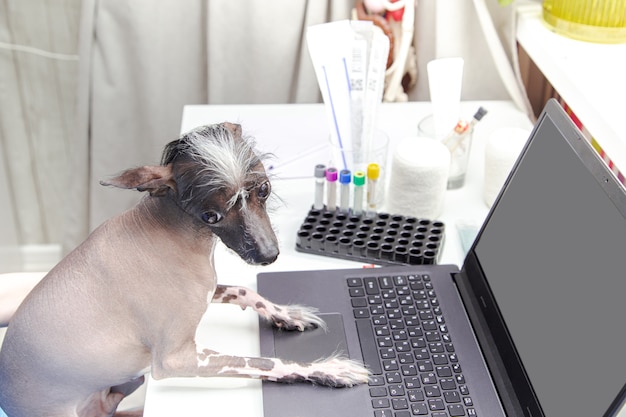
297,135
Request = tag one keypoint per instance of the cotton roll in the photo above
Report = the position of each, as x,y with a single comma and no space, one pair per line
502,150
419,176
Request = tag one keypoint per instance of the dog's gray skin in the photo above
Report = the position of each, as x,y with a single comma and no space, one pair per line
128,300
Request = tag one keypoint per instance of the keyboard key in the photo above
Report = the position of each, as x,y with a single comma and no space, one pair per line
420,353
359,302
443,371
412,382
416,286
436,404
425,366
385,282
428,378
400,335
393,377
384,341
447,383
436,347
376,380
409,370
452,397
429,325
374,299
387,353
456,410
390,365
382,413
381,330
402,413
426,315
378,392
399,403
432,391
415,395
414,331
371,286
355,282
377,310
380,403
419,409
433,337
439,359
357,292
361,313
396,390
400,280
402,346
396,324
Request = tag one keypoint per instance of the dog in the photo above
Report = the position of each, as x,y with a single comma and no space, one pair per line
127,301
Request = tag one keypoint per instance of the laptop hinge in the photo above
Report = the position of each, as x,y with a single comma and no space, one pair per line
494,361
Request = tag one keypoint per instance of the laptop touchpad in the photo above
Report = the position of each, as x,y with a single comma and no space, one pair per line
311,345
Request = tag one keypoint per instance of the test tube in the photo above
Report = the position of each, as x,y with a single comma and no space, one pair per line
320,172
331,179
373,173
345,177
359,181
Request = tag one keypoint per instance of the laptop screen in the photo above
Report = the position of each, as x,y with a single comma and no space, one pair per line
553,254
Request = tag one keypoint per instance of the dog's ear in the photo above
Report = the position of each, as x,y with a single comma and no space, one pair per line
156,180
234,128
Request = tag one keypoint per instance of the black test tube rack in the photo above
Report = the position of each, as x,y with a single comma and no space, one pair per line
378,238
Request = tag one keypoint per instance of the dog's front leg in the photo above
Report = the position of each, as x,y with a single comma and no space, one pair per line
335,372
288,317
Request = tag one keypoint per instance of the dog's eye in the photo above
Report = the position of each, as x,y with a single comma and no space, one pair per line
264,190
211,217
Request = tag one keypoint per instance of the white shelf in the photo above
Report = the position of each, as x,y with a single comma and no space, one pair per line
590,78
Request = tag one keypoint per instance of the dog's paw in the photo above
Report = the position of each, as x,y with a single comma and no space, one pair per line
338,372
296,317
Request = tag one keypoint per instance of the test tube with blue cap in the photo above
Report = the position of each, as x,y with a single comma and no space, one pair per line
345,176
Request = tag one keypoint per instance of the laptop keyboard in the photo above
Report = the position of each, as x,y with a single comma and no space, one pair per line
406,345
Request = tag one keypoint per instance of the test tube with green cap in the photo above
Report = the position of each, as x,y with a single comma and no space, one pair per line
358,180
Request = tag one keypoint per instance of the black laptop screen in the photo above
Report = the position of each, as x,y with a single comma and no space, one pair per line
554,255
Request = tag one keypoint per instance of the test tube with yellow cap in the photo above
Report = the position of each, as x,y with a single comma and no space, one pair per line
373,173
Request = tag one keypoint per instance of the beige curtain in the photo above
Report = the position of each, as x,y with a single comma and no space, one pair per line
38,72
67,123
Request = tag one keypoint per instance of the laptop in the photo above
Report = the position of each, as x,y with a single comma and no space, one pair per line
532,324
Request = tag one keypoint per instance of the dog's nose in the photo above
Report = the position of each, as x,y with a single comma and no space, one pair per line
271,259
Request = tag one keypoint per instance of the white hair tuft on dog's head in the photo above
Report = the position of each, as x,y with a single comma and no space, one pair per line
212,158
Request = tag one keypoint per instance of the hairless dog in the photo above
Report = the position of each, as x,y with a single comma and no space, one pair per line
128,300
